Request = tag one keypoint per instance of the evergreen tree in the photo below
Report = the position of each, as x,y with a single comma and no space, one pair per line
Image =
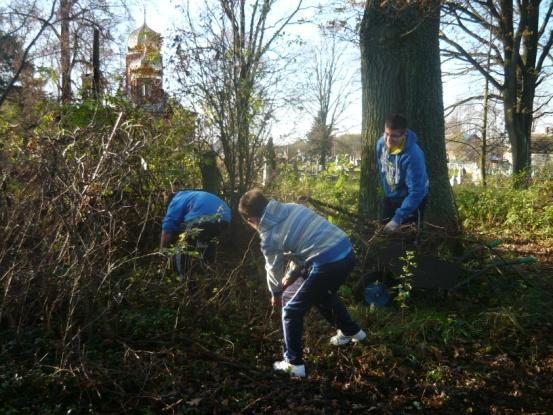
320,140
270,154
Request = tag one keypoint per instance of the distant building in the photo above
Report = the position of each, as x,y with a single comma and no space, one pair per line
464,155
541,150
144,70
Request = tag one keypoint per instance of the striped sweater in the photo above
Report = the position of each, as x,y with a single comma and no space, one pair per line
289,231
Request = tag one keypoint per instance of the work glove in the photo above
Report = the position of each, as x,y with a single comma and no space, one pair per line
390,227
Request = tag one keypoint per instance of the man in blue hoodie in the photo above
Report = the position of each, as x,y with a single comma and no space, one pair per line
292,232
202,216
403,173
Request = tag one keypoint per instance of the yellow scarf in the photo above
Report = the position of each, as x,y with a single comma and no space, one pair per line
397,149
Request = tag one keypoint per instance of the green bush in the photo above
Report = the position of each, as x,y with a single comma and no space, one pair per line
513,211
82,191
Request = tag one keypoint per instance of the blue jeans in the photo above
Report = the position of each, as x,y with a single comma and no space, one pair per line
319,290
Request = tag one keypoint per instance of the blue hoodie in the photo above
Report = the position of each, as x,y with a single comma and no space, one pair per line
193,206
403,175
294,232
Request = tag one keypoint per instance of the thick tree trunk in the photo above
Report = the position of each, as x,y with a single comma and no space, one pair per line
211,177
519,129
401,73
381,95
520,78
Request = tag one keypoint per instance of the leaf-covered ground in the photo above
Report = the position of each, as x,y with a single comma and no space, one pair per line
485,348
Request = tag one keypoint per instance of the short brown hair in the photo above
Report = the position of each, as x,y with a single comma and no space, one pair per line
252,204
396,122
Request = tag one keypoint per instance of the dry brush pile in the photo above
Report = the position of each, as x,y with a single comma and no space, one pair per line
80,210
88,316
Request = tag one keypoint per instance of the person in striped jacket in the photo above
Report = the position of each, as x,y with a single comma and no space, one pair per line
289,231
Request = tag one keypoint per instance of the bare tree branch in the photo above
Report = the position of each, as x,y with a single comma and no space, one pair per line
470,59
24,57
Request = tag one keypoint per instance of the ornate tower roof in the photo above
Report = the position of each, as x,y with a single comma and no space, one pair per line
144,69
143,36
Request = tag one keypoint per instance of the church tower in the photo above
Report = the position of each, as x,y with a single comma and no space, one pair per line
144,69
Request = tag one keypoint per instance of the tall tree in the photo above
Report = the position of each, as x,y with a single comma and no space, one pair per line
484,146
270,154
65,49
523,36
10,55
18,63
468,141
223,64
400,73
211,177
328,90
65,39
320,138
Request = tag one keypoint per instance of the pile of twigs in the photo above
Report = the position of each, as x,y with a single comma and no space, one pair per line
79,210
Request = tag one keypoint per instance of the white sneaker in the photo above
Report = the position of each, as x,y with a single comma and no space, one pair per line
340,338
293,370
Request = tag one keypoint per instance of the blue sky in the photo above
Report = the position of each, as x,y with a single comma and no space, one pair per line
163,16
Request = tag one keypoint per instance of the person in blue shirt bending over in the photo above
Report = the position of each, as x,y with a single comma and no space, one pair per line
403,173
289,231
202,216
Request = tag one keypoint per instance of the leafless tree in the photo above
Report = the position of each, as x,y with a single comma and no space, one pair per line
465,135
226,64
519,52
23,60
64,34
328,93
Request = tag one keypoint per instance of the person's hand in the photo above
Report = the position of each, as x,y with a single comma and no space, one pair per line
163,263
390,227
164,259
276,302
287,281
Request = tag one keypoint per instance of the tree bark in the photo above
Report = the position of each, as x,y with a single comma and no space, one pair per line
484,153
520,82
401,73
96,87
211,177
517,26
65,51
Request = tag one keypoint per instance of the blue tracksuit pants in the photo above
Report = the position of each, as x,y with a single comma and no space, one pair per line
319,290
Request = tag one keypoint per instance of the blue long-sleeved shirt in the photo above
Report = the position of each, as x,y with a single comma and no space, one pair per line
191,206
403,175
292,231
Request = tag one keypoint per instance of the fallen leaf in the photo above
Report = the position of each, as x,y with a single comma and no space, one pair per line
194,402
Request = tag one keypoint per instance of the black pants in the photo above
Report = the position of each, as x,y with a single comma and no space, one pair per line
389,207
200,238
319,290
